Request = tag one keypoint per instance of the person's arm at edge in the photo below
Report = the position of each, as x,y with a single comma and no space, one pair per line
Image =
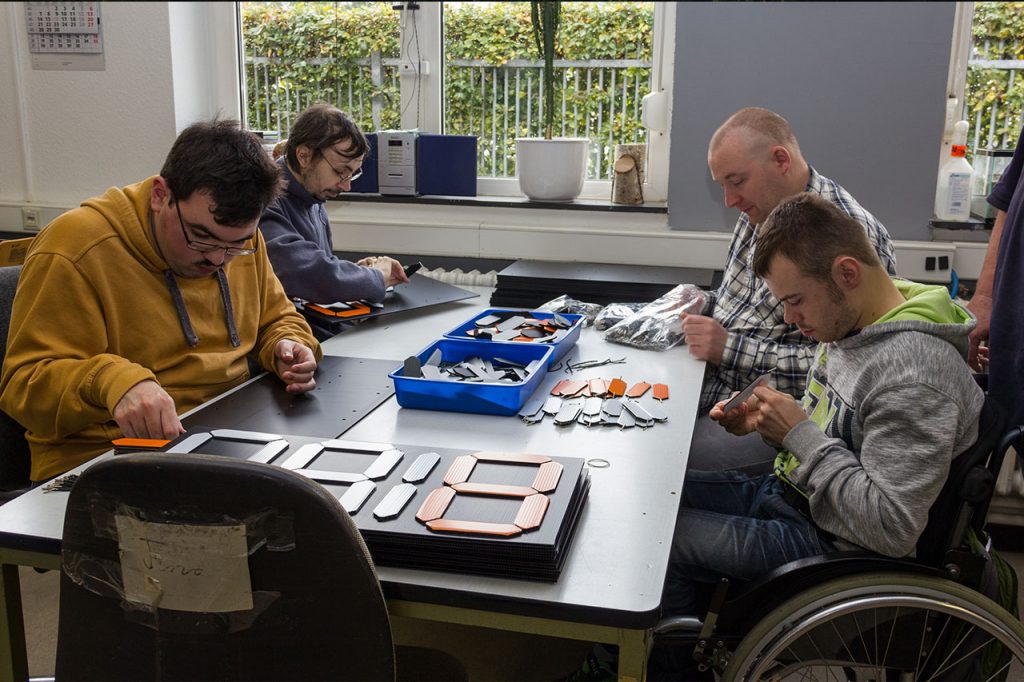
981,302
56,378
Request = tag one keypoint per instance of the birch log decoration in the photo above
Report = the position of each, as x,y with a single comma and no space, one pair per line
627,185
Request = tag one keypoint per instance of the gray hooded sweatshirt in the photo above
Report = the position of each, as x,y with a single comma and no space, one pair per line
890,407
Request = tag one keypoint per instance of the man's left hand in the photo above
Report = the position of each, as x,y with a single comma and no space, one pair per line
295,364
777,413
705,338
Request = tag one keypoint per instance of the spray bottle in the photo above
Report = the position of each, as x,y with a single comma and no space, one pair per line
953,190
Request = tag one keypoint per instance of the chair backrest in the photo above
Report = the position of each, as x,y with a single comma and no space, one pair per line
15,457
964,498
193,567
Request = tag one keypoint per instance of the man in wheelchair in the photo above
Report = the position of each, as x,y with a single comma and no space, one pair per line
890,402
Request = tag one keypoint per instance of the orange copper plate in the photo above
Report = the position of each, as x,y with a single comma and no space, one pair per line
573,388
483,527
494,489
660,392
638,389
531,513
356,310
436,504
460,469
556,390
598,387
140,443
547,477
617,387
515,457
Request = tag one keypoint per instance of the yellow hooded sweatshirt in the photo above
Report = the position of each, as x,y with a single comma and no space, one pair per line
95,314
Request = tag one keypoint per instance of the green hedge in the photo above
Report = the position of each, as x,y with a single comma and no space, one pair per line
317,51
996,21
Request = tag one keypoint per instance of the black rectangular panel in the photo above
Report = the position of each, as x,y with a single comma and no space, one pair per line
347,390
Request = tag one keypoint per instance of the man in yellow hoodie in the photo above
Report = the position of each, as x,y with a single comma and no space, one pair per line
144,303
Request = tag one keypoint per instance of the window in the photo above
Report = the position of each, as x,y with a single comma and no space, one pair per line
994,90
986,75
467,68
298,54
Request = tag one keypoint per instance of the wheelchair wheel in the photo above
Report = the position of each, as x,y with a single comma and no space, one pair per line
884,626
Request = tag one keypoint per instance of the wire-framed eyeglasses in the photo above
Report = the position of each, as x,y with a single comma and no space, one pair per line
205,247
347,176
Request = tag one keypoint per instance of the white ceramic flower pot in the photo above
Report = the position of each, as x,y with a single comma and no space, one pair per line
551,170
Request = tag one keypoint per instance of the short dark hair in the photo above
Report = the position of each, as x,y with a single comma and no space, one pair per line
322,126
230,163
769,125
812,232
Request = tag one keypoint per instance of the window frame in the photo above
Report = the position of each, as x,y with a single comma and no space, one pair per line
426,114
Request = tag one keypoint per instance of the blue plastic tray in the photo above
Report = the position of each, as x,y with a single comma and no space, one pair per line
466,396
561,347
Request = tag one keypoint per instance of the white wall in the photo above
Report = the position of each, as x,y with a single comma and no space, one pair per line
84,131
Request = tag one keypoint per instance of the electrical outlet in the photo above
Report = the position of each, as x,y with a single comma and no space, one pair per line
30,218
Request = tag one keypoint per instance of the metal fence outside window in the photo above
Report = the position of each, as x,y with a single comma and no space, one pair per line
598,99
993,83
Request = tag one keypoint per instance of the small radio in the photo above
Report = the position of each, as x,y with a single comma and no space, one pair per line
396,165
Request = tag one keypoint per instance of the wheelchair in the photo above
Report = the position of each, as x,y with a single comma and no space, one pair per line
856,615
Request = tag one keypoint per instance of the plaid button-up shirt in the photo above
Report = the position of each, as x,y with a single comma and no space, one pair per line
758,337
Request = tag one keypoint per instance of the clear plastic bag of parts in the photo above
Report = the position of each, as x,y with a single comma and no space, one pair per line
567,304
658,325
614,313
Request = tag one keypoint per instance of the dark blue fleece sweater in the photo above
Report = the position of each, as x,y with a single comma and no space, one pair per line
300,247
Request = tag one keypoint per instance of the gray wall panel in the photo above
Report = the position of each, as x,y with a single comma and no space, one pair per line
862,83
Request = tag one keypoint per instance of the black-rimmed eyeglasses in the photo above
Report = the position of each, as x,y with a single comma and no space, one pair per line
205,247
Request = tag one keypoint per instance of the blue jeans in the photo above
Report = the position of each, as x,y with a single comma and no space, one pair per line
734,525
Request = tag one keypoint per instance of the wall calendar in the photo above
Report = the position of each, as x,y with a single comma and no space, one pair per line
64,27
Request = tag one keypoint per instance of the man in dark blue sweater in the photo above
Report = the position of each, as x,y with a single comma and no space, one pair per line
324,153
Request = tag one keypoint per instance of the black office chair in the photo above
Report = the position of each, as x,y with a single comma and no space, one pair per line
824,615
15,458
151,590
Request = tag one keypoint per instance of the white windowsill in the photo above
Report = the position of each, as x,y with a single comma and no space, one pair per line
506,230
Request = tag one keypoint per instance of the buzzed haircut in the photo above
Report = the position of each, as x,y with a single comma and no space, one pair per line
322,126
811,232
219,157
764,122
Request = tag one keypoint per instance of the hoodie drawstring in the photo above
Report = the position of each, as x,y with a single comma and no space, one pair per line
183,318
229,312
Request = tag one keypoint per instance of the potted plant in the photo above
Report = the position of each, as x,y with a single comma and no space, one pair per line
550,168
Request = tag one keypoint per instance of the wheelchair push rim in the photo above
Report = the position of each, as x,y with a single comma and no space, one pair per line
882,626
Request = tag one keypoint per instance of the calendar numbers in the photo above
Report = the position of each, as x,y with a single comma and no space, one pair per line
64,27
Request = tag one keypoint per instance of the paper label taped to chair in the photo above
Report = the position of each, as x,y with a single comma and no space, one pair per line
184,567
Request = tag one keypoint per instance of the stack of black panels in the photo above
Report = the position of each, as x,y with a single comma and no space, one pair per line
528,284
400,539
536,555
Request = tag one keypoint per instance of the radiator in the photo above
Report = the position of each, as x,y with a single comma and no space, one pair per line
473,278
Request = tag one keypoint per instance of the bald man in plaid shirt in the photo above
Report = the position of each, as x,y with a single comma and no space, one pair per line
756,159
